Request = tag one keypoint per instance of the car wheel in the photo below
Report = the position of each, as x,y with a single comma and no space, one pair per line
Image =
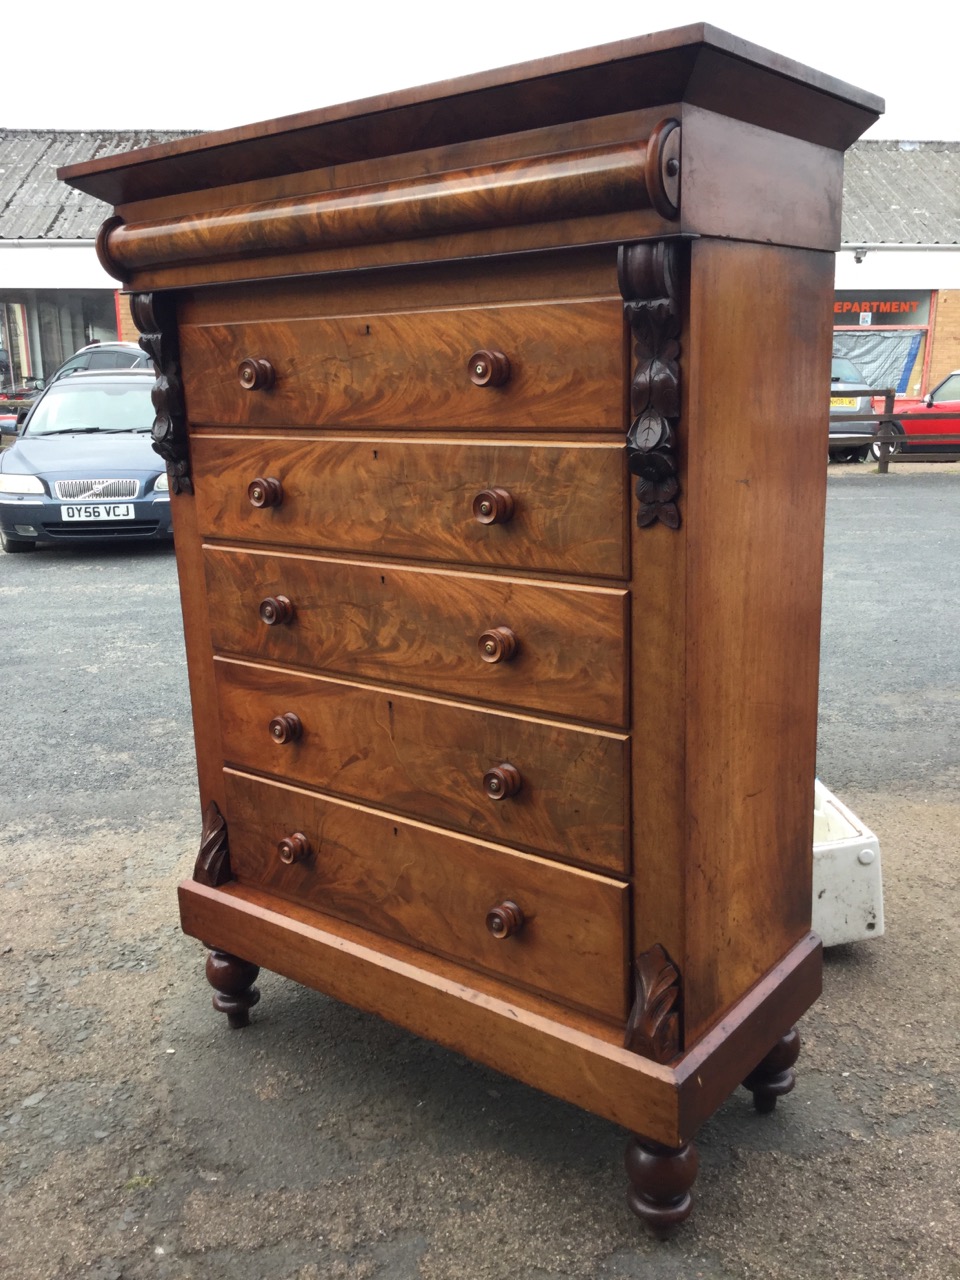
13,545
875,447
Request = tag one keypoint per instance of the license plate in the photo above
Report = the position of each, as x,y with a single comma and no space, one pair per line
843,402
98,511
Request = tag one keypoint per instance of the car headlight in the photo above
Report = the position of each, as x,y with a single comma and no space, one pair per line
20,484
162,483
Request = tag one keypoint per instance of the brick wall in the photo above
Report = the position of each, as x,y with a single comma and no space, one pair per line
128,330
945,352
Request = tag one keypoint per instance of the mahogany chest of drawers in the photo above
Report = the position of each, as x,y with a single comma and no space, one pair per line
495,419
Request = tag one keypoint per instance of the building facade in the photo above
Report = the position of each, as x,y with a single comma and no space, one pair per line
896,310
897,305
54,295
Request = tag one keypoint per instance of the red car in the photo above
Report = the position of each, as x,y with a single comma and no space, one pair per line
943,400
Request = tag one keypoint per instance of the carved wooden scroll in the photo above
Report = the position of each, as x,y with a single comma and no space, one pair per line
212,867
615,177
653,1028
155,317
648,281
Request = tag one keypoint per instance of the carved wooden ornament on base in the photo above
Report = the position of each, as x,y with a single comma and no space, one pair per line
213,860
653,1028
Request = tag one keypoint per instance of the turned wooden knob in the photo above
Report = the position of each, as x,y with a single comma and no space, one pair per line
294,848
499,644
275,611
255,375
286,728
501,781
265,492
488,368
493,506
504,919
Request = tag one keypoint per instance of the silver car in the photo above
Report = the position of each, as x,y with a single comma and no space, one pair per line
849,394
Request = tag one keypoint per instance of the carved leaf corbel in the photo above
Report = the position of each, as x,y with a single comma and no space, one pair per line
154,315
648,282
212,867
653,1028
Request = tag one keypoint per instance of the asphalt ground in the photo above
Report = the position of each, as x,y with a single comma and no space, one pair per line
140,1138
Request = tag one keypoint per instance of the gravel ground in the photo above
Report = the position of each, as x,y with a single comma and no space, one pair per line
140,1138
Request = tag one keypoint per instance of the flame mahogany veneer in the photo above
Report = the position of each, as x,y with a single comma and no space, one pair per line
495,424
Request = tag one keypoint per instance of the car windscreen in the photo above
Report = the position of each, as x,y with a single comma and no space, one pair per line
76,406
842,370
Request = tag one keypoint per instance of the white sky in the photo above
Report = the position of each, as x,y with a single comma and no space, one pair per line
194,64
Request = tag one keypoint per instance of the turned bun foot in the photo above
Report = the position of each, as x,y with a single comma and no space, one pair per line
774,1076
233,991
660,1182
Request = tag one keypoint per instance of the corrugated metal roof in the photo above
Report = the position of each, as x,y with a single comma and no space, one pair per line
893,192
34,205
902,193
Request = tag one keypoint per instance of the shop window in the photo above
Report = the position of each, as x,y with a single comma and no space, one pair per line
885,358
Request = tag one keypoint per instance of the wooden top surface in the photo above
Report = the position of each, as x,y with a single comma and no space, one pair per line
698,64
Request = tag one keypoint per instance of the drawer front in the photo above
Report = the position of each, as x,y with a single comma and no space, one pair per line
566,369
449,765
435,891
557,649
542,507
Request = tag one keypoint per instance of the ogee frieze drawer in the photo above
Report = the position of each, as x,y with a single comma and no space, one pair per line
555,789
553,928
548,365
554,648
532,506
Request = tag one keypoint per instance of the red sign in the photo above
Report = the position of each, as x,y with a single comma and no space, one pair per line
891,307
